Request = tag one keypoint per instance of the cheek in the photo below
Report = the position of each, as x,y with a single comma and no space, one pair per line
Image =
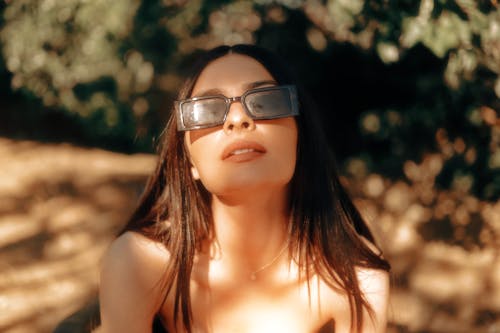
193,136
197,154
289,155
203,155
196,143
284,139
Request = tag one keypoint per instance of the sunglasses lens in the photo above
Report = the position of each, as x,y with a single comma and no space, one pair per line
272,103
262,103
203,112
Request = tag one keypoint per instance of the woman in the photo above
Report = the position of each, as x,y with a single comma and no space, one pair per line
244,226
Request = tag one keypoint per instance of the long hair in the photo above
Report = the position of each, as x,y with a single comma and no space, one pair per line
325,226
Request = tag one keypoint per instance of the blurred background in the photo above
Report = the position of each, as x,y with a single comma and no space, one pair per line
409,93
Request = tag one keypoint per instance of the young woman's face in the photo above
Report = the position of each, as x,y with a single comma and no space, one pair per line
242,154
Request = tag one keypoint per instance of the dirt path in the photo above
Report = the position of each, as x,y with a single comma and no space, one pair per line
59,208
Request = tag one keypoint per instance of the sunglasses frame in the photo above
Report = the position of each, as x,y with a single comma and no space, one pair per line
292,92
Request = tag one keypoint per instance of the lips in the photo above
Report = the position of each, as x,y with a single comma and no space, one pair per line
241,151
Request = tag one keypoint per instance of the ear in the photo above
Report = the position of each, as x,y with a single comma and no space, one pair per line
194,173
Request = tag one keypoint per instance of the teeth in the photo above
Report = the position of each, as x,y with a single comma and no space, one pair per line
242,151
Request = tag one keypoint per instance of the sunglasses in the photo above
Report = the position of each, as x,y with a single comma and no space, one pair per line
261,103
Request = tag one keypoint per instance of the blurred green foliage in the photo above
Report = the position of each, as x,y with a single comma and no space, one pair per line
395,80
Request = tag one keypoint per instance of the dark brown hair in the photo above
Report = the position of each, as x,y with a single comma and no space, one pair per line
325,226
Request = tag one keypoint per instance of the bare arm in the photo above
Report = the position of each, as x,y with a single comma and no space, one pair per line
130,293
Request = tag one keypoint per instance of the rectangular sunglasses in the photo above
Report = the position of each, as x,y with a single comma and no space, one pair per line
260,104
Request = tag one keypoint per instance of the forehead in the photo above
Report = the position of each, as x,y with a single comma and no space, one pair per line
230,73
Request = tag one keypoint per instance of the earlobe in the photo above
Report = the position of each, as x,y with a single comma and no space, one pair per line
194,173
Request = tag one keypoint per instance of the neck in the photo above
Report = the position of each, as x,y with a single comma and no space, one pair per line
251,228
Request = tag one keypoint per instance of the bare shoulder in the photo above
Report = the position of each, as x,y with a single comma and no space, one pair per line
374,283
130,288
375,286
138,260
137,248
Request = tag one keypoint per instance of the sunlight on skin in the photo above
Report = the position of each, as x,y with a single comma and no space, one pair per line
51,240
261,320
262,316
247,312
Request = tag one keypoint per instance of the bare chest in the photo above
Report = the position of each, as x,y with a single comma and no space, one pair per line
290,308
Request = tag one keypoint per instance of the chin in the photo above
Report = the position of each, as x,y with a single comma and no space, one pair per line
247,185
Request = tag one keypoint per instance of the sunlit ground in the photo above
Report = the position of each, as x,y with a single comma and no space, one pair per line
61,205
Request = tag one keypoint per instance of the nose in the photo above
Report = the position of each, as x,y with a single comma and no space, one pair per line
237,118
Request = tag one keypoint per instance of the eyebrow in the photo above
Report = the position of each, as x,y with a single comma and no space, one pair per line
247,86
258,84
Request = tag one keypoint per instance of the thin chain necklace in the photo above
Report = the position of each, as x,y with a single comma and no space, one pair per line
253,275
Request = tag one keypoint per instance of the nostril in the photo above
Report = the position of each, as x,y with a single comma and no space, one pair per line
245,125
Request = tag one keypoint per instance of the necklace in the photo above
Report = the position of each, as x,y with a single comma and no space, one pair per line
253,275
